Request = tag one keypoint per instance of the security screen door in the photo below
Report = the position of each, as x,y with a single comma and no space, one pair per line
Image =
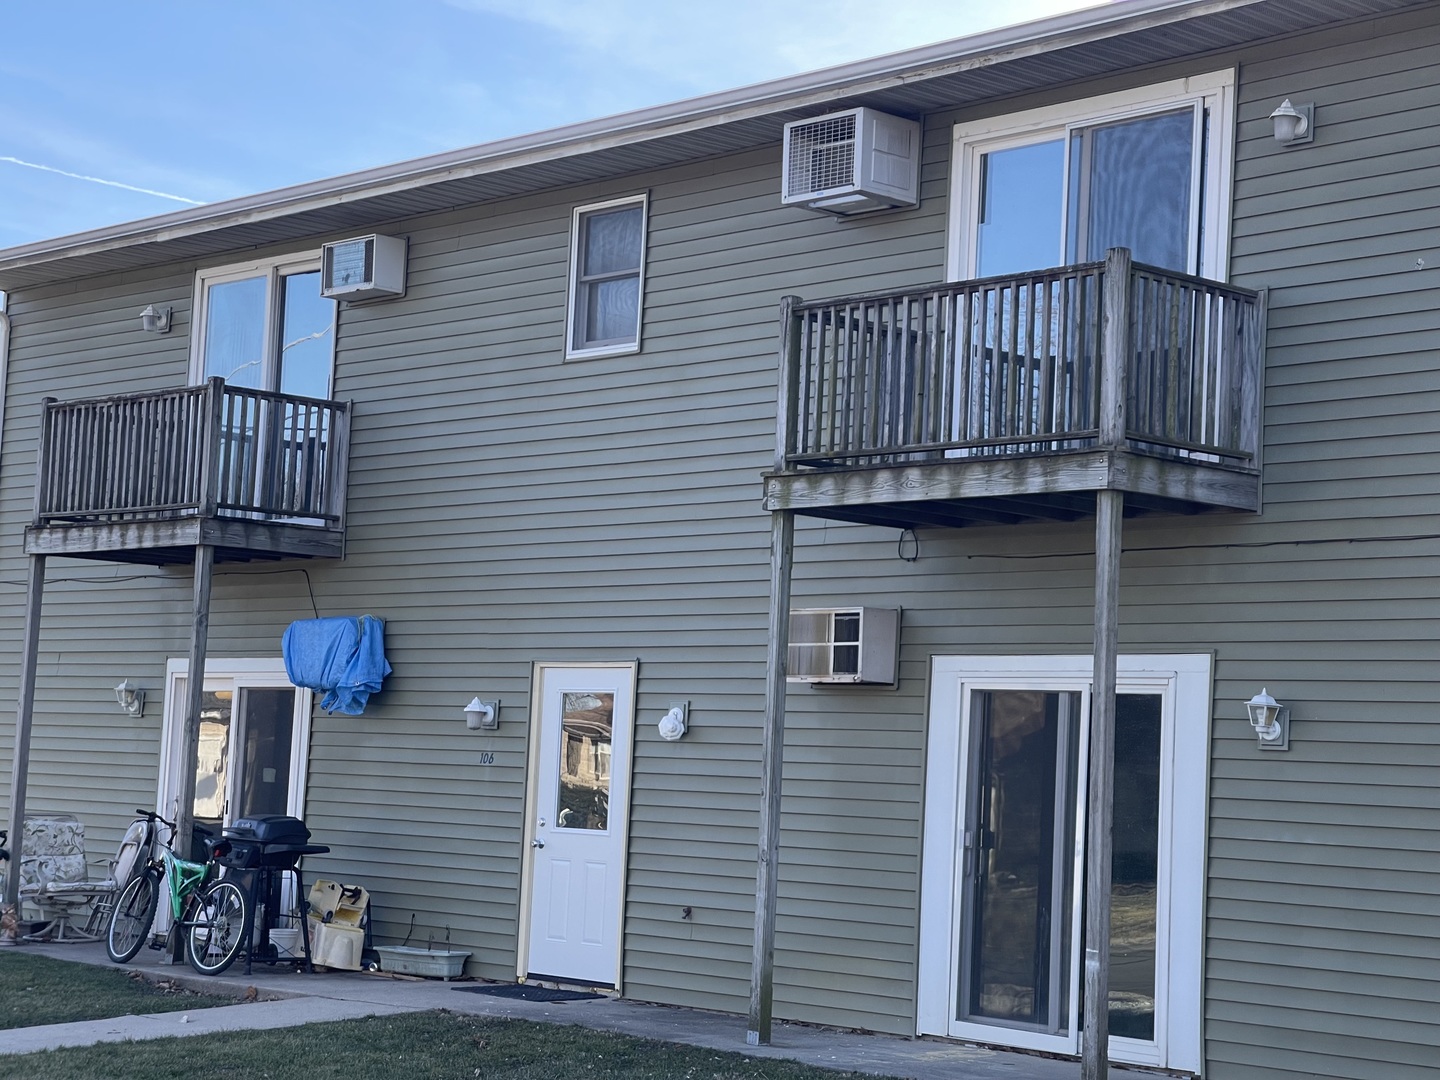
579,802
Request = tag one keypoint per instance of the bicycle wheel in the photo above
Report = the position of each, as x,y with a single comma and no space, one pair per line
219,924
131,919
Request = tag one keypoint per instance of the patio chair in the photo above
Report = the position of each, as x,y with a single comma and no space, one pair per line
56,888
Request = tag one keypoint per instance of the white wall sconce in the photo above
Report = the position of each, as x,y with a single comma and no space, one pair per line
1294,124
1271,721
131,699
673,723
155,320
482,715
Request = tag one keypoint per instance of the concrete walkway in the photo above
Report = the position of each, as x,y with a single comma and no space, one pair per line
288,998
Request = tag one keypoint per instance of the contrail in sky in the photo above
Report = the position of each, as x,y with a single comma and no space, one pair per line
98,180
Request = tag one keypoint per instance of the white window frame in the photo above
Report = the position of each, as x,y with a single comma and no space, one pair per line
273,270
575,314
1184,682
1213,92
233,674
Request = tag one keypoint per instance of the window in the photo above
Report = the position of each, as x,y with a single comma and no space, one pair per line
265,326
1146,169
607,277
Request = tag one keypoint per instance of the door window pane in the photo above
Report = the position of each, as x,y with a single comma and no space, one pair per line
1135,839
307,336
235,331
1020,834
587,725
266,728
1130,187
1021,197
212,763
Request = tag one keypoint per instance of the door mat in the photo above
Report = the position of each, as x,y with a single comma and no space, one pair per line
529,992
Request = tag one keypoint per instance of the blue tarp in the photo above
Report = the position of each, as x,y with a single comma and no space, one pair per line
343,657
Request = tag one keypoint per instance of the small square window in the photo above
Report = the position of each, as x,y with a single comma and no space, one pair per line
607,278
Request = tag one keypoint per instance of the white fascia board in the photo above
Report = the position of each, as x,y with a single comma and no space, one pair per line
642,125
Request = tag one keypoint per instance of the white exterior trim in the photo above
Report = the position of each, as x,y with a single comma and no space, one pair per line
572,305
273,270
1214,92
1184,680
263,671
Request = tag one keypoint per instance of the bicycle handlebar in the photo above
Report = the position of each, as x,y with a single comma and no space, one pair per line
151,815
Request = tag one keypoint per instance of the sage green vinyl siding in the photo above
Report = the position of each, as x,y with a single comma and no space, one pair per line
1325,866
508,507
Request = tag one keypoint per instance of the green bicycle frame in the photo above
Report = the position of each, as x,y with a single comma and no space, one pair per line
184,877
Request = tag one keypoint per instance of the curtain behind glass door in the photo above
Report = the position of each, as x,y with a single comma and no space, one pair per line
1130,187
1015,964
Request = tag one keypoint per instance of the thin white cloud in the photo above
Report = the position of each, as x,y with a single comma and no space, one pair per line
100,180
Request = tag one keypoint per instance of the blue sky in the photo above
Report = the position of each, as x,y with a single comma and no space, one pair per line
155,105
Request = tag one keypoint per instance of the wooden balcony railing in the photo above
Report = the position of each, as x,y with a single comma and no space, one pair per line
210,450
1103,354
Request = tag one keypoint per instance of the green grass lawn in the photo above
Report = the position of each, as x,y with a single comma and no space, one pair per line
38,990
412,1045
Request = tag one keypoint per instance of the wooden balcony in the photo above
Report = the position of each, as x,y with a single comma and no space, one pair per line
1013,399
145,478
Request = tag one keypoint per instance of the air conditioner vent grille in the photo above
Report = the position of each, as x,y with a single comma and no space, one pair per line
851,162
822,154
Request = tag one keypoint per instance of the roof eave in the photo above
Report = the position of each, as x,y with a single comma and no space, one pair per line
793,92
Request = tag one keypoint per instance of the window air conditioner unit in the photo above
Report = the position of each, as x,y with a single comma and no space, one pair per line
852,162
365,268
843,645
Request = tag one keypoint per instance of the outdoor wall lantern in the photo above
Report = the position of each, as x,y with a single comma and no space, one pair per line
155,320
131,699
1294,125
672,724
482,715
1271,721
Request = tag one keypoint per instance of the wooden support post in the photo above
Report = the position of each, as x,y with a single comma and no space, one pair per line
194,698
1110,506
772,754
24,716
762,971
1109,515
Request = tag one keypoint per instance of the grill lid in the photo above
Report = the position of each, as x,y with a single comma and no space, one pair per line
268,829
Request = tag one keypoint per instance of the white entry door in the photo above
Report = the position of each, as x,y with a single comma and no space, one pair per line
1002,886
579,807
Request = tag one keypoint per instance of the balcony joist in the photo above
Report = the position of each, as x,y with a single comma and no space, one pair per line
1024,488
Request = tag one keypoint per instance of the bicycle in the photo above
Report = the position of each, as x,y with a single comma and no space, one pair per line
212,912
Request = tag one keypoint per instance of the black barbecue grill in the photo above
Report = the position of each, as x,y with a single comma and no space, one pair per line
260,849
